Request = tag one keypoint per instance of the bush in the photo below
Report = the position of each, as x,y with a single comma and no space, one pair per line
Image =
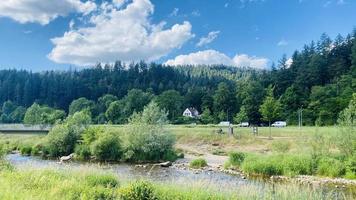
107,148
263,165
330,167
108,181
280,147
140,190
297,165
198,163
98,193
350,165
26,150
61,140
147,139
82,152
36,149
236,158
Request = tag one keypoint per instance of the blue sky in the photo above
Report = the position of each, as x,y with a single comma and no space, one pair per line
241,33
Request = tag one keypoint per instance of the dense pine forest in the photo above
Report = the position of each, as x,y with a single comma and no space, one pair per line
320,80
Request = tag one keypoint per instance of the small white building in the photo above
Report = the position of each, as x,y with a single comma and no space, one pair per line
191,112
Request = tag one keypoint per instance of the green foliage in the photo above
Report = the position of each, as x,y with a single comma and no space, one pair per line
81,104
330,167
36,149
280,146
26,150
140,190
114,112
37,114
241,116
297,165
90,134
350,165
198,163
105,180
172,102
206,117
105,101
346,142
270,108
7,109
224,100
263,165
135,100
107,147
18,115
236,158
61,140
82,152
147,139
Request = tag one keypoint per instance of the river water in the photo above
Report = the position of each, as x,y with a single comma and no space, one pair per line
206,179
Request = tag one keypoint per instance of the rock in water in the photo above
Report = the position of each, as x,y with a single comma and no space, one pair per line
165,164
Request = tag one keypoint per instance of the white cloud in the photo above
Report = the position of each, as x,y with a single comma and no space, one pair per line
244,60
118,3
120,34
289,62
208,39
282,42
42,11
212,57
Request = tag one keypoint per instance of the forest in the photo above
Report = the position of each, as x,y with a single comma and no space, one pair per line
320,81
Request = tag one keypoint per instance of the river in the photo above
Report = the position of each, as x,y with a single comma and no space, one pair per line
206,179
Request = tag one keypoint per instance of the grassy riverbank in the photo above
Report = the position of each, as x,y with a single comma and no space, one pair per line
87,184
308,151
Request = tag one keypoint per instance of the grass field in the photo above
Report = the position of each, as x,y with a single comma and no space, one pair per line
204,139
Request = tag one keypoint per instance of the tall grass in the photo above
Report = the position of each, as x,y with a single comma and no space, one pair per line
87,184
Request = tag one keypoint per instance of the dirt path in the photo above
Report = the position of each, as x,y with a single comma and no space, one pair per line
192,152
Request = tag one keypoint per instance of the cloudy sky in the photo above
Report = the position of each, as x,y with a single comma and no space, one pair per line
58,34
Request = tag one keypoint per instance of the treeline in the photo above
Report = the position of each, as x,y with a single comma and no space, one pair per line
320,80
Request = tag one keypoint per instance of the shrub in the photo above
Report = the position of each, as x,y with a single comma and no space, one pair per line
36,149
102,180
198,163
350,165
61,140
297,165
236,158
263,165
98,193
330,167
107,148
280,146
90,134
147,139
25,150
83,152
140,190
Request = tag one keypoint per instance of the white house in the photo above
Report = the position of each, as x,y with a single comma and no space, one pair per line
191,112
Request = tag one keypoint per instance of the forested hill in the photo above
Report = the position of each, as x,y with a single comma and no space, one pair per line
321,79
59,89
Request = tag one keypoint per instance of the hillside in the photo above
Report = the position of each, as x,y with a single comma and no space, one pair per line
321,80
